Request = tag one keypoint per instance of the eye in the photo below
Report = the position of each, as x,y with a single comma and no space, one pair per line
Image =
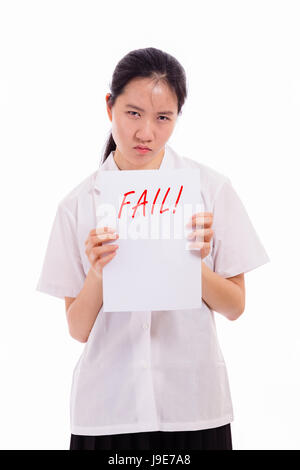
135,112
132,112
165,117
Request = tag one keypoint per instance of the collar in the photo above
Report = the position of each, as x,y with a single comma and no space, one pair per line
171,160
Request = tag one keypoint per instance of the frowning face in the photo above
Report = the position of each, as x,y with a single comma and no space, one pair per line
144,115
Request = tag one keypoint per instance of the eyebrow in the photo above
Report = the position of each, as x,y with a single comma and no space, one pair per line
140,109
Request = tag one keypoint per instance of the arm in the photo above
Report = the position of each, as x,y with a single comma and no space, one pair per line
83,310
225,296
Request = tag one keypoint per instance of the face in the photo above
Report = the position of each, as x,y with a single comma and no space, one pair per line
148,126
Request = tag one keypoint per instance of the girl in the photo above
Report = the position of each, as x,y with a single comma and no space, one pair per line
149,380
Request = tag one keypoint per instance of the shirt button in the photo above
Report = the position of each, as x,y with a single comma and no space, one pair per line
144,364
146,326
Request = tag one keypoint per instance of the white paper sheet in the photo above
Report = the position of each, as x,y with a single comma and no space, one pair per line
153,269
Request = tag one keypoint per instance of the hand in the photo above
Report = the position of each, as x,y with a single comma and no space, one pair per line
202,232
97,252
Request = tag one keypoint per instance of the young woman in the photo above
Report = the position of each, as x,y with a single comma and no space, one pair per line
149,380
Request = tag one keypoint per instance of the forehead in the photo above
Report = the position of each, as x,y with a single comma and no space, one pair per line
145,92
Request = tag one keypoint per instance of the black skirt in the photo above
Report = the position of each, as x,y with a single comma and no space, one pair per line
206,439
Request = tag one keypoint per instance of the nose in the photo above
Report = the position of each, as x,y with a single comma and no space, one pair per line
145,132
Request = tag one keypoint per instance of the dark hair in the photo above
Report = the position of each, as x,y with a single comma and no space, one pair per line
147,63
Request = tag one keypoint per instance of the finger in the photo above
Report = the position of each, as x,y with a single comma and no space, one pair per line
97,240
93,252
200,214
104,260
100,230
98,265
199,246
99,251
202,235
102,237
200,221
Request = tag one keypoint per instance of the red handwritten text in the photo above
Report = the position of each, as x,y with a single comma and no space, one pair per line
142,201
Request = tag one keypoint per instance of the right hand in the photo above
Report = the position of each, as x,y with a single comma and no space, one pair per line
99,253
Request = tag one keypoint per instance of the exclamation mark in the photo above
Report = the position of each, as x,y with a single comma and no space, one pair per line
180,191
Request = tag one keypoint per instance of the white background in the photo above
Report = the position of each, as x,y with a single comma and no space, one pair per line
241,118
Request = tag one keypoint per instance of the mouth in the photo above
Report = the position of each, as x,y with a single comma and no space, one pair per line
142,149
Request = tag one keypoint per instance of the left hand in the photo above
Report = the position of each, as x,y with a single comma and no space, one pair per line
202,232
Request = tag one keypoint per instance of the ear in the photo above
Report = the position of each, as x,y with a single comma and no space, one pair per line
108,107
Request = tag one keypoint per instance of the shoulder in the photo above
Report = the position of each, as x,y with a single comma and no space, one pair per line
211,180
208,173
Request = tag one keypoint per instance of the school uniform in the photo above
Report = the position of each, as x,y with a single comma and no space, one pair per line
148,379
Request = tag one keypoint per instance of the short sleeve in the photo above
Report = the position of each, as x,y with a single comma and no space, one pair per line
236,246
62,273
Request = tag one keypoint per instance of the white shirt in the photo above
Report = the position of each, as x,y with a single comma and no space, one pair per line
150,371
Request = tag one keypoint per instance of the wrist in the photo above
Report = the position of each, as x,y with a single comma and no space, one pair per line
95,276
